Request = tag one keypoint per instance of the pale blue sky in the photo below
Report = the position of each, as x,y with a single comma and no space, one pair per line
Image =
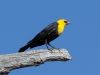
21,20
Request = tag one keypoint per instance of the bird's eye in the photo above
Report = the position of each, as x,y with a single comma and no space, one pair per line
65,21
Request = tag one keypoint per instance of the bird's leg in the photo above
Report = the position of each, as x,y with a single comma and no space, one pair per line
52,46
46,44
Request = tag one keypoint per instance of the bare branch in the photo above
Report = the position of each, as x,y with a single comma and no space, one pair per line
10,62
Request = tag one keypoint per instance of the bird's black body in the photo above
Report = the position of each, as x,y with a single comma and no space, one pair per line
45,36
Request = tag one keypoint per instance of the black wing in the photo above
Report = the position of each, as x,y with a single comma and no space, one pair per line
45,32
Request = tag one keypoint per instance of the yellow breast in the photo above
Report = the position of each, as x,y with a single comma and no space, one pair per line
60,29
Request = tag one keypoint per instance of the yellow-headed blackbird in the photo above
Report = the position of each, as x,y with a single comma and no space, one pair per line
51,32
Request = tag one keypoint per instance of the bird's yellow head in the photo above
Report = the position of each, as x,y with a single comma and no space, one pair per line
63,22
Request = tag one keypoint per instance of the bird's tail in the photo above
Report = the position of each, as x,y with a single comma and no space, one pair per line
22,49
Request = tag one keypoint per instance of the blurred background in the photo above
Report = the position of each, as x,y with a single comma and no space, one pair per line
21,20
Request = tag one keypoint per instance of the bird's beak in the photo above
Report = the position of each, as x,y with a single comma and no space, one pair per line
68,23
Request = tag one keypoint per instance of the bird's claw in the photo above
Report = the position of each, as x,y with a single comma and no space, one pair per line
53,49
56,49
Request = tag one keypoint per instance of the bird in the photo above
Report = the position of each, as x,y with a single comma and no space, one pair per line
48,34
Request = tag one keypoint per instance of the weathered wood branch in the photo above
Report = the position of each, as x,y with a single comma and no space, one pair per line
10,62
